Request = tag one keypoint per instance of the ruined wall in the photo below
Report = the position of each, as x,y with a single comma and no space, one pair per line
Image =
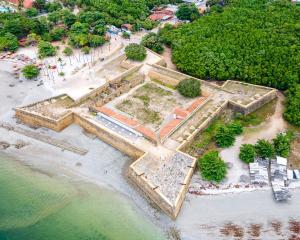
41,121
185,186
253,106
204,125
109,137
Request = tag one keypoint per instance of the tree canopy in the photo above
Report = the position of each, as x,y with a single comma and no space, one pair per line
153,42
189,88
187,12
256,41
135,52
212,167
292,111
264,149
247,153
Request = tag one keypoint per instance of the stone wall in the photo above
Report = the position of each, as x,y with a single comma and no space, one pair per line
151,191
253,106
32,119
109,137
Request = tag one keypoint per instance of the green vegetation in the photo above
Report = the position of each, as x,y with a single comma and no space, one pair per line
187,12
46,49
31,12
153,42
86,50
8,42
212,167
225,135
248,41
135,52
292,112
30,71
126,35
87,28
264,149
68,51
282,144
189,88
247,153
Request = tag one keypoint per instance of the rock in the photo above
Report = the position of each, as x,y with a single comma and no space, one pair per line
244,179
4,145
11,85
20,144
229,165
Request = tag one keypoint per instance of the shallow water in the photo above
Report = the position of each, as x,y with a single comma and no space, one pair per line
36,206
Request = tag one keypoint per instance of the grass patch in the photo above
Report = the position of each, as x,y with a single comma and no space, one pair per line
144,98
164,84
149,116
259,116
152,88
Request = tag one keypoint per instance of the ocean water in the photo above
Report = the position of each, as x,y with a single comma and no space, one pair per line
37,206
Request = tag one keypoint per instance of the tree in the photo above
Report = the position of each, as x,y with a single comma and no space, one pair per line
236,128
153,42
224,137
247,153
190,88
31,12
57,33
282,144
95,40
9,42
212,167
30,71
292,111
135,52
39,4
68,51
187,12
46,49
264,149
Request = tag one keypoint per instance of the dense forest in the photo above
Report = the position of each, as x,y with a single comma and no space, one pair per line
257,41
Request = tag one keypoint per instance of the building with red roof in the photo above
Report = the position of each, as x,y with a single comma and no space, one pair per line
26,4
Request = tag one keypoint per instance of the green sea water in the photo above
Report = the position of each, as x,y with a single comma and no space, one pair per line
37,206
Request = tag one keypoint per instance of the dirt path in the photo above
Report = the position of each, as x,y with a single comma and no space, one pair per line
269,129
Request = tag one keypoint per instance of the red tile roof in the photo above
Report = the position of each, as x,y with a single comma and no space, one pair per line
167,129
195,104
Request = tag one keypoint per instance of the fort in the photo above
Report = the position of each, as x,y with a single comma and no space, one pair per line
139,112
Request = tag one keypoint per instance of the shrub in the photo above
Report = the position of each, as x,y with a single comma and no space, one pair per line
224,137
46,49
85,50
9,42
264,149
57,34
126,35
189,88
247,153
212,167
282,144
135,52
30,71
68,51
31,12
152,41
236,128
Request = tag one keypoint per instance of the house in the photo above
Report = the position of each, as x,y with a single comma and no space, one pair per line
126,27
26,4
160,17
